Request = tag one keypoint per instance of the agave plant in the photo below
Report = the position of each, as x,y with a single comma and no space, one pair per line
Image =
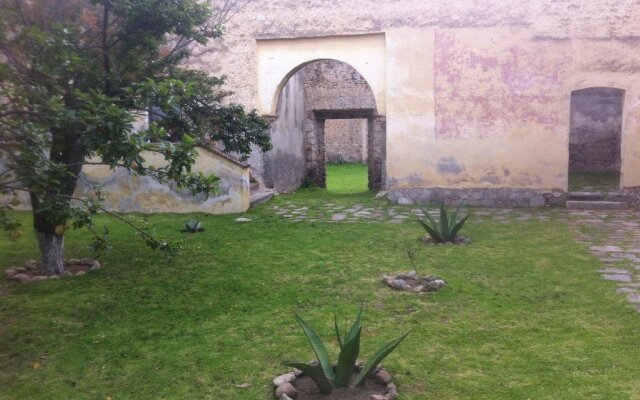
325,375
447,228
193,226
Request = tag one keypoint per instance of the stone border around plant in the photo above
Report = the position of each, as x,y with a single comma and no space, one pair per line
459,241
411,282
26,274
285,389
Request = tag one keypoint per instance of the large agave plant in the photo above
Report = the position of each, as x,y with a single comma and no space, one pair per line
325,375
447,228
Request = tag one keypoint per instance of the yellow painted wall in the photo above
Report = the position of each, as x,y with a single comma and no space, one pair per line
476,107
126,193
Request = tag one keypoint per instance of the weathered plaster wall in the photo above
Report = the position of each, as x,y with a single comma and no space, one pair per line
596,123
285,163
126,193
476,94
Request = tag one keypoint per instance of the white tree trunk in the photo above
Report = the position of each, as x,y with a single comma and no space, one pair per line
52,250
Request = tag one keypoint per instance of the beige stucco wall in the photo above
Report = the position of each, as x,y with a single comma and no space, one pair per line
476,94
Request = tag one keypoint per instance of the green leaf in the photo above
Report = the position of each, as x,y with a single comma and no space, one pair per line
347,360
314,373
357,324
431,231
444,222
377,359
458,226
318,347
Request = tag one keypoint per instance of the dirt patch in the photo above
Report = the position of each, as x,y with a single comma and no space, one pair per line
459,240
307,390
411,282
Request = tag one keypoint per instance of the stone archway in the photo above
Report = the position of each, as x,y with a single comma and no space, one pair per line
316,92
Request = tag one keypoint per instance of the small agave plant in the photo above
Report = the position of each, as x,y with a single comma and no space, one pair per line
447,228
325,375
193,226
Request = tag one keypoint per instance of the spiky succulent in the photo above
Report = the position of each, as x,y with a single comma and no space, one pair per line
447,228
325,375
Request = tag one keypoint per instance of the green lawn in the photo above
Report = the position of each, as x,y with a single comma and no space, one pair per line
347,178
524,315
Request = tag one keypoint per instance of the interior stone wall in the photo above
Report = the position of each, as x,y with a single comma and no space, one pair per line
346,140
596,124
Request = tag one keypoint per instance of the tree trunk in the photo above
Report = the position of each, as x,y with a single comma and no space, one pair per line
52,250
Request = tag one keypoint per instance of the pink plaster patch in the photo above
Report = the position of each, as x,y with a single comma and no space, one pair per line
498,88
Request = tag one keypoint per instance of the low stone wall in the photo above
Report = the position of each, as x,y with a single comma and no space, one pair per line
129,193
478,197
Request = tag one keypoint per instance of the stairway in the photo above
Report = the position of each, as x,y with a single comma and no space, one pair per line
596,201
259,194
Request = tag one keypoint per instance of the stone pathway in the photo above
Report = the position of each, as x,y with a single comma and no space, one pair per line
614,237
611,235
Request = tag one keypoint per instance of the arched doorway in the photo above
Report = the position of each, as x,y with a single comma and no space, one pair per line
596,118
326,112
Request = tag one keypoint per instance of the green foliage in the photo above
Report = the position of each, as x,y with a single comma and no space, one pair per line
193,226
447,228
325,376
74,78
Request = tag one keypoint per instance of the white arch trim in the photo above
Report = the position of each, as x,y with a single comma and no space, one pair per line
278,59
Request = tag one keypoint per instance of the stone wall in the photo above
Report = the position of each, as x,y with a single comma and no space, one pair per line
596,124
346,140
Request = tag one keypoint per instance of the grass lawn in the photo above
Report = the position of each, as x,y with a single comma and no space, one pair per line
524,316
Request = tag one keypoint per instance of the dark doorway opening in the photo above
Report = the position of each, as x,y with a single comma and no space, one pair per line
595,139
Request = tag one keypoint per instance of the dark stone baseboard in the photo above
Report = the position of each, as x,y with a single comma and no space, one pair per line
479,197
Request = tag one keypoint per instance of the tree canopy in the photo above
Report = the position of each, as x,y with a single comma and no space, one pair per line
75,76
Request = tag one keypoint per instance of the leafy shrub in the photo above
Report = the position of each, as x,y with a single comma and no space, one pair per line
325,375
193,226
447,228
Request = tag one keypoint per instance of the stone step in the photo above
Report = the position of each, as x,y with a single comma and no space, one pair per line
595,205
260,197
609,196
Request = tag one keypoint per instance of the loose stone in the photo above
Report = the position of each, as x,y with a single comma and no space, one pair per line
383,377
284,378
22,278
286,389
